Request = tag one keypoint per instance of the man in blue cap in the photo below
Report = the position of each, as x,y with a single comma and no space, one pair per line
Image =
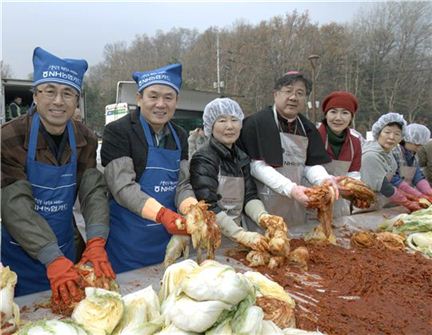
47,160
145,156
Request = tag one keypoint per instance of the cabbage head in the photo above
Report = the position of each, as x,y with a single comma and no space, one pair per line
421,242
173,330
10,313
215,281
141,314
52,327
249,322
173,276
268,288
100,312
191,315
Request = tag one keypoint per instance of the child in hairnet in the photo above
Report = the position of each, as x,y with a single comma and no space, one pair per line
409,178
220,175
378,164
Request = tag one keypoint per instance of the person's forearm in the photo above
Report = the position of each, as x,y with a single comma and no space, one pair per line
316,174
25,225
272,178
184,192
120,178
93,196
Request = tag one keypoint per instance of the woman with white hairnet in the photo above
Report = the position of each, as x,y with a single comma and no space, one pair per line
220,174
409,177
425,160
378,165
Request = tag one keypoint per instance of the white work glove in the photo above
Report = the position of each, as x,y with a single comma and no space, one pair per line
233,231
252,240
298,194
255,210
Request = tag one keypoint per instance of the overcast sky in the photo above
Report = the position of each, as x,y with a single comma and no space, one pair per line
82,29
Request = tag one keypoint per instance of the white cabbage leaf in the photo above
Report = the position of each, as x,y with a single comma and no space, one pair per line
421,242
215,281
270,328
10,313
141,313
191,315
177,246
173,330
268,288
50,327
173,276
249,322
295,331
223,328
100,312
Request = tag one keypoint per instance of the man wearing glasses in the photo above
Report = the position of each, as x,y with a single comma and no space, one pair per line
285,147
47,160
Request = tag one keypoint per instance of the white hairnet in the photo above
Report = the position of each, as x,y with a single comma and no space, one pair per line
417,134
384,120
217,108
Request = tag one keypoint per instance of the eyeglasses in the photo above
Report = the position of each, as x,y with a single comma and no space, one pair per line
298,94
51,94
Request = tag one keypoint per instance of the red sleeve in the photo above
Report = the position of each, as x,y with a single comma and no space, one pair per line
356,163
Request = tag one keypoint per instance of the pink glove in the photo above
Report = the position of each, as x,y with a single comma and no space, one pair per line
398,198
424,187
409,190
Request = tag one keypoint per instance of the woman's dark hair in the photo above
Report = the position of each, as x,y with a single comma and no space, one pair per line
393,124
290,78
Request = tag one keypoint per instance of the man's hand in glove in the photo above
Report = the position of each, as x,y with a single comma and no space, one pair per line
95,253
252,240
174,223
64,280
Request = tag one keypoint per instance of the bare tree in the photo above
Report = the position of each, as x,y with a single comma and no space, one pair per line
6,71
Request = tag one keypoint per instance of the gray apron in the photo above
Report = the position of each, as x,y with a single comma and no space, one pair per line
405,171
294,149
340,168
381,200
231,192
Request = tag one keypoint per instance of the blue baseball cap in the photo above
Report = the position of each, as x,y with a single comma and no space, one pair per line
48,68
169,75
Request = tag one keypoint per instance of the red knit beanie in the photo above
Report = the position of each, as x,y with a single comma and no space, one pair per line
340,99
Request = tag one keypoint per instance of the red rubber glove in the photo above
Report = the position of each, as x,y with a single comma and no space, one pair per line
95,253
173,222
64,280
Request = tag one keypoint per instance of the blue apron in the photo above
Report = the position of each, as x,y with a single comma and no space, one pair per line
134,242
53,189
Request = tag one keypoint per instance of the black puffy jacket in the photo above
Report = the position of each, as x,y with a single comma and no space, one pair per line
204,171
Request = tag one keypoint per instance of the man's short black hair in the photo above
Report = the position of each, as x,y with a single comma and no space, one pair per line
290,78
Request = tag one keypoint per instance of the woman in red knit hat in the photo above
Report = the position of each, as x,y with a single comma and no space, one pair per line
342,145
